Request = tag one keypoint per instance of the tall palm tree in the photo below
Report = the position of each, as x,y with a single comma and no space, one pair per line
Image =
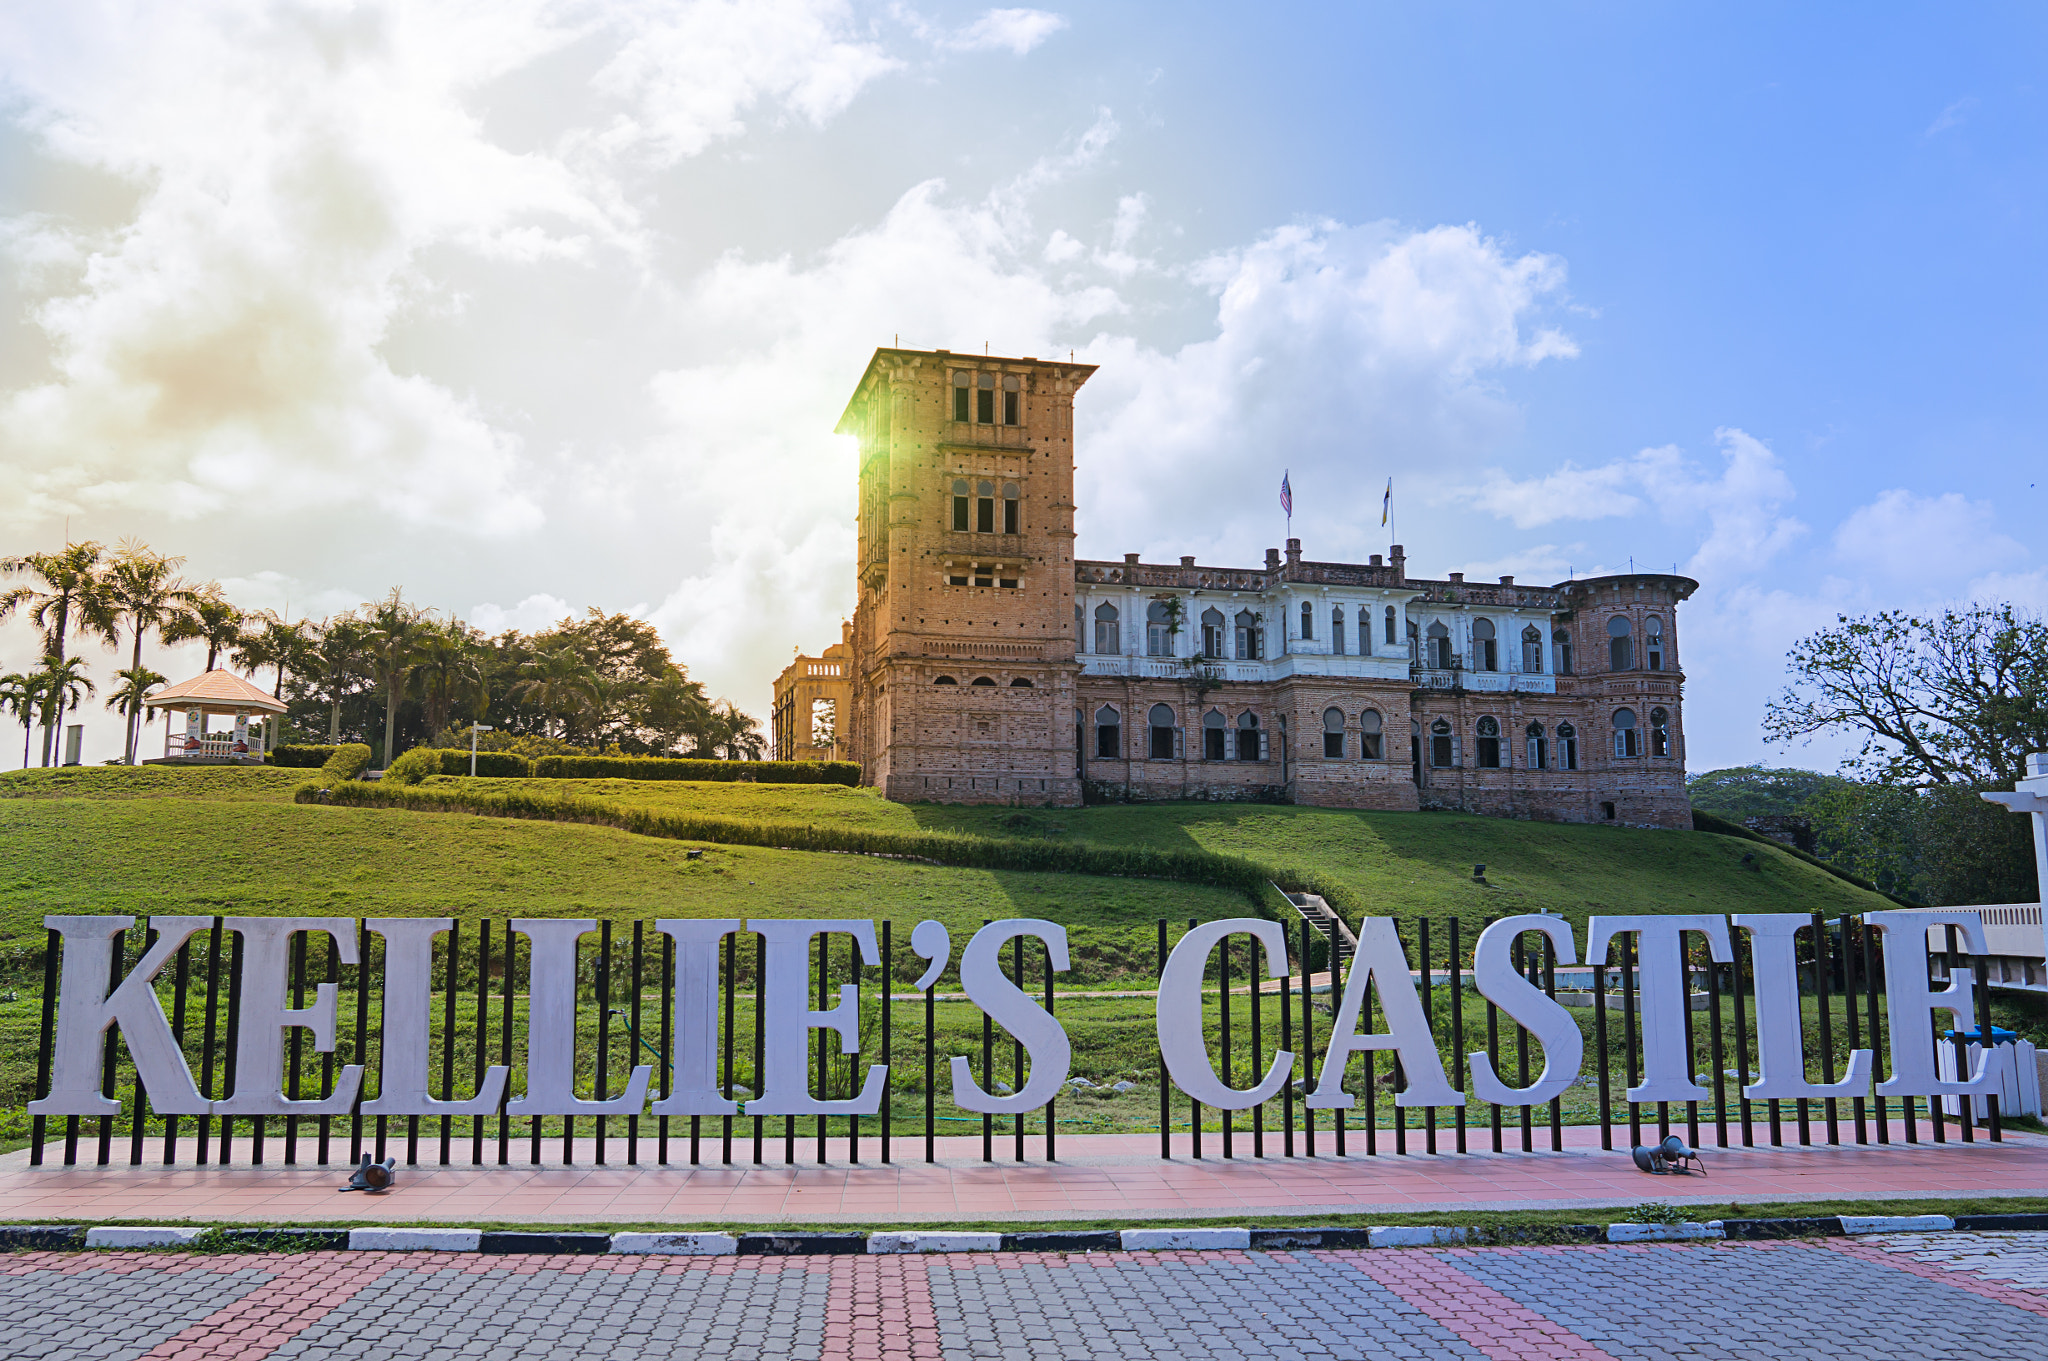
69,594
561,683
393,634
64,684
335,661
732,735
674,707
209,617
130,700
269,641
142,589
22,696
451,671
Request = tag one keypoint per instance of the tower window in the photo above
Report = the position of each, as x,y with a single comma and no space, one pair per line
1337,630
960,388
1333,733
1653,642
1567,747
1158,629
960,505
984,680
1109,742
1021,683
983,576
1660,732
1443,749
1532,650
1308,620
1369,733
1539,753
1106,640
1248,737
1007,583
1390,626
1489,744
1439,646
1212,635
1159,720
1213,745
984,507
944,680
985,400
1563,643
956,580
1626,743
1009,507
1251,638
1011,397
1620,646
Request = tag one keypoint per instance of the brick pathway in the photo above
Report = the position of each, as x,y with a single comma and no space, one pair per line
1107,1177
1963,1296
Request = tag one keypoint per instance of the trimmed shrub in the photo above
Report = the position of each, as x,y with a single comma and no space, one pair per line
450,761
350,760
299,758
414,766
658,768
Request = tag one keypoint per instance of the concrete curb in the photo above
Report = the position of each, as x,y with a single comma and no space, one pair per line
801,1243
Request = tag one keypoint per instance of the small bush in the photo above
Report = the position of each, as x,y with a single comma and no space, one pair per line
299,758
448,761
658,768
414,766
350,760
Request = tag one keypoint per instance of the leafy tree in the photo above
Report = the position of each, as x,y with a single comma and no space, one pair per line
337,654
68,594
1742,792
562,683
141,588
211,618
451,671
1956,699
393,634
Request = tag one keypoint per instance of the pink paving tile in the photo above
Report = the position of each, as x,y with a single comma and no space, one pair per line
1483,1317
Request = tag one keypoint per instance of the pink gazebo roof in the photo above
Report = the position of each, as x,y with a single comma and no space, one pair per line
215,692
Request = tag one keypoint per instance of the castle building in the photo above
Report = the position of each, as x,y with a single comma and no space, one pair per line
986,664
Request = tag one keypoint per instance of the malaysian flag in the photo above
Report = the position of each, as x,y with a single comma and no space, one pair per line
1387,502
1286,496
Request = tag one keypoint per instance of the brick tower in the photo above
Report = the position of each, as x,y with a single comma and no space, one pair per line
963,678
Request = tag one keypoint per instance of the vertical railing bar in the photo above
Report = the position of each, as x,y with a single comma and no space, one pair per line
448,1029
324,1124
533,1124
1600,1047
575,989
604,1031
291,1122
138,1119
231,1045
505,1042
633,1015
483,1037
109,1048
1287,1043
824,963
1986,1040
1735,941
181,979
1017,1049
1428,1024
1051,1114
1526,966
1692,1045
1877,1029
1339,1117
46,1045
731,981
855,968
1850,956
930,1071
1550,987
355,1117
1714,1054
760,1022
1255,985
1308,1035
1822,985
888,1050
1194,1106
668,1040
1493,1061
1165,1088
1372,1078
1457,1026
988,1082
1223,1012
1628,1035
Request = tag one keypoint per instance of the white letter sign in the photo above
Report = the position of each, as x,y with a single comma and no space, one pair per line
1780,1046
1181,1041
89,1009
1495,975
1380,958
259,1056
787,1021
1009,1006
1667,1064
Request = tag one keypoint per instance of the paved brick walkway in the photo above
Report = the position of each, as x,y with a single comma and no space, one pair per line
1971,1296
1098,1177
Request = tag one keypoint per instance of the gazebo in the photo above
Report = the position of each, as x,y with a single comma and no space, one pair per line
216,692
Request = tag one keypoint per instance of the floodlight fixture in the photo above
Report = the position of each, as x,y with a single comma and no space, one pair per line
373,1176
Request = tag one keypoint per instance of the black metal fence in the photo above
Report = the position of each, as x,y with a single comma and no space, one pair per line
625,1016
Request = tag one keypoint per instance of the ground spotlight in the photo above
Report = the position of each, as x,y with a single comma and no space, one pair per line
1666,1158
373,1176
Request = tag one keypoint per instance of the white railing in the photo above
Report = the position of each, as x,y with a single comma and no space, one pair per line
1494,682
2011,929
212,748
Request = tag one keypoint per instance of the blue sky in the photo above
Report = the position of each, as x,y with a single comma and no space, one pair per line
533,306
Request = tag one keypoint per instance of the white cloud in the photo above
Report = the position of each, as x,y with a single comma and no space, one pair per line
1954,116
1016,31
534,614
1570,493
1903,537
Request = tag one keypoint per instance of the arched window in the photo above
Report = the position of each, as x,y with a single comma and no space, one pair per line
1485,646
961,387
944,680
1567,747
1439,646
1333,733
1011,389
1626,743
1563,642
1390,626
1213,744
984,680
984,507
1653,642
1159,629
1414,642
1160,720
1248,735
1010,503
1106,639
1489,743
1369,735
1212,633
1337,630
1621,655
1443,748
1021,683
1080,629
1538,757
1251,638
1532,650
1308,620
1660,733
960,511
985,399
1109,733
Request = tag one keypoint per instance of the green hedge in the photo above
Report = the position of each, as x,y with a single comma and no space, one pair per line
976,852
500,764
299,758
1708,822
655,768
349,760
